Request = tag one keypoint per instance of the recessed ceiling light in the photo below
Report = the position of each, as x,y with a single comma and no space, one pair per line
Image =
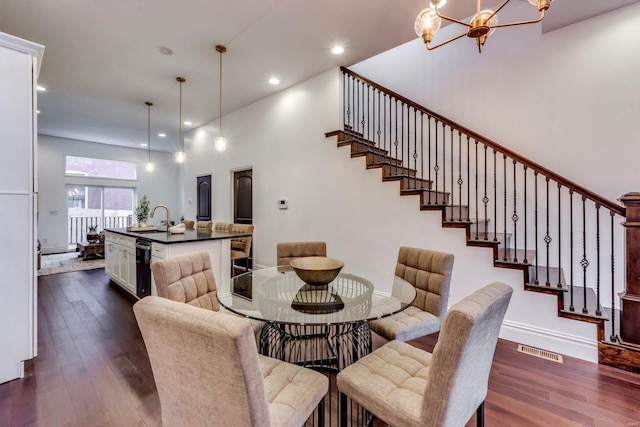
165,50
143,144
187,123
38,111
274,81
337,50
162,135
41,88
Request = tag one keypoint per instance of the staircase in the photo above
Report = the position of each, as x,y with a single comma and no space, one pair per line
564,238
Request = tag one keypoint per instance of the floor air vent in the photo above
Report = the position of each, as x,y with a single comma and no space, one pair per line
543,354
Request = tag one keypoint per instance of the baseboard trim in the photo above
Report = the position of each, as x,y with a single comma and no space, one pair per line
547,339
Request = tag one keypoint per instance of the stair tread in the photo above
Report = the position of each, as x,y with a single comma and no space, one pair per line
506,257
555,274
578,303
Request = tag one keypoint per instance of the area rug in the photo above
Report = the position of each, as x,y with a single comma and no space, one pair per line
65,263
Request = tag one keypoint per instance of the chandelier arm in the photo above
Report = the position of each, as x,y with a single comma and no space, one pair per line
446,42
512,24
448,18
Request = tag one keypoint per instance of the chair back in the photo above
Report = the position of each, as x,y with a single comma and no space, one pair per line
462,357
205,365
430,273
223,227
188,223
206,225
187,279
241,246
288,251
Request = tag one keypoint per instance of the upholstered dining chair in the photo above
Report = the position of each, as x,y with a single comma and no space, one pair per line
405,386
204,225
288,251
189,279
208,371
430,273
224,227
241,246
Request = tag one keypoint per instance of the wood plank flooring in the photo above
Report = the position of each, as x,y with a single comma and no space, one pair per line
92,370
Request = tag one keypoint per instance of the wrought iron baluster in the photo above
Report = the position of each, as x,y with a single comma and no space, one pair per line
451,155
429,154
598,311
415,149
460,182
379,113
396,143
362,121
504,229
535,180
526,261
571,263
436,168
547,236
514,217
476,196
495,195
468,178
345,99
559,284
485,199
368,106
585,262
422,149
444,164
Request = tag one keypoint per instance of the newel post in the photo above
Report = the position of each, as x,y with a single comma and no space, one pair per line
630,310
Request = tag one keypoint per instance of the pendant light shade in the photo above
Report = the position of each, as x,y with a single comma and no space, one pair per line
149,163
180,156
221,141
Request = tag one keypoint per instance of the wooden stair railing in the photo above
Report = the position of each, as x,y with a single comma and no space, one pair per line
535,220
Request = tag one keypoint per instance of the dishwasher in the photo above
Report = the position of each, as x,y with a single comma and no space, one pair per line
143,268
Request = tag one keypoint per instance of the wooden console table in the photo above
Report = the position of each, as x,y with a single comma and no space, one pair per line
87,249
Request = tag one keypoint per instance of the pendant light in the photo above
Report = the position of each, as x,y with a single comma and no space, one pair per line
221,141
149,164
180,156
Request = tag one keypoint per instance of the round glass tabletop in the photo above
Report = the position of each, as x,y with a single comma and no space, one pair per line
277,294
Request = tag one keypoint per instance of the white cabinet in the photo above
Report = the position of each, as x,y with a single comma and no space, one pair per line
19,61
120,260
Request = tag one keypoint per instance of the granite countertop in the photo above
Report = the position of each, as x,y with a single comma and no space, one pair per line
190,235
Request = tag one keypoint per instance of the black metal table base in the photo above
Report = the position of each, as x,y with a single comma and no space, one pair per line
325,348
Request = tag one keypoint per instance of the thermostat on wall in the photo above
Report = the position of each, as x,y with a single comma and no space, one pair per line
282,204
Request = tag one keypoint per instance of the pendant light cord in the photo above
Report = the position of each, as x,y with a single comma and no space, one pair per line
221,49
180,80
149,104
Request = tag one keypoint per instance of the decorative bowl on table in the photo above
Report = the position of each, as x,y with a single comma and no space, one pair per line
316,270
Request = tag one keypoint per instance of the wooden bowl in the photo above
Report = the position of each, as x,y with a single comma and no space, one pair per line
317,270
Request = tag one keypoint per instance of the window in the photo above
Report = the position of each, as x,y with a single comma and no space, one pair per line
100,168
106,207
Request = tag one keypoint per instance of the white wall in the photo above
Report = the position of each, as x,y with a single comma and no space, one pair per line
334,198
161,186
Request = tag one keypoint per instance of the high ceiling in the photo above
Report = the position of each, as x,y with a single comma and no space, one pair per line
103,60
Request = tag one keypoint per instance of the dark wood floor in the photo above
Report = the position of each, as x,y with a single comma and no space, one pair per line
92,370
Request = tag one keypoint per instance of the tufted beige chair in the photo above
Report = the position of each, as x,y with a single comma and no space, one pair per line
189,279
204,225
223,227
208,371
188,223
241,246
405,386
288,251
430,273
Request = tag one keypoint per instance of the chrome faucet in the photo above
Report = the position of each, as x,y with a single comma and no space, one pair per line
162,206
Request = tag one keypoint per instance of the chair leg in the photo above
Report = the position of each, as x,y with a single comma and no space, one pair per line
321,413
480,415
343,410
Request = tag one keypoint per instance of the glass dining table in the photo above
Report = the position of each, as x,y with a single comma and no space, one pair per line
315,326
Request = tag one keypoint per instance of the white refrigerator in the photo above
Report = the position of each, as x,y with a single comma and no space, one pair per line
19,62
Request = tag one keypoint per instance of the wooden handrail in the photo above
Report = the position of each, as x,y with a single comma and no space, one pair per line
596,198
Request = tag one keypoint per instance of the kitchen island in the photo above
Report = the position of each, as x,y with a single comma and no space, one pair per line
129,254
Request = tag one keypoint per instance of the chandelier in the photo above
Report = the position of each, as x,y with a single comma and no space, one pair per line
480,27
